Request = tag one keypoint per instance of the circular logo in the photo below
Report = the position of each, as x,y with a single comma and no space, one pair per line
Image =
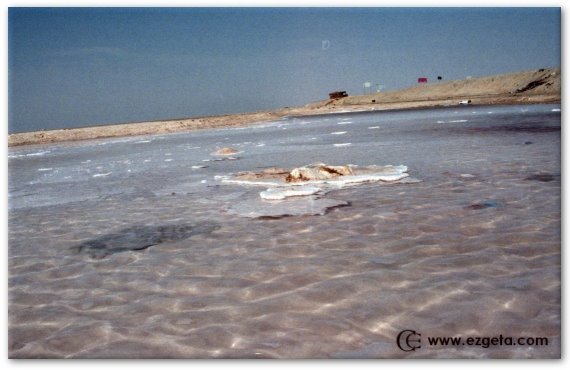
409,340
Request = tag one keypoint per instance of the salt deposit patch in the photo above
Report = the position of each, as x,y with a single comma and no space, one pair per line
304,180
301,191
226,151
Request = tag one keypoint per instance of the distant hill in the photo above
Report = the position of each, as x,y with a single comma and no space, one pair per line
536,82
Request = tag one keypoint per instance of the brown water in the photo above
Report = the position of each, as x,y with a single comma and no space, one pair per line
472,250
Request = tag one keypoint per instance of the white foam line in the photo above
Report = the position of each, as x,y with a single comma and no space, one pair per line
338,133
142,141
102,174
196,167
38,153
342,144
168,160
28,155
45,169
458,120
555,110
367,178
278,194
344,123
373,127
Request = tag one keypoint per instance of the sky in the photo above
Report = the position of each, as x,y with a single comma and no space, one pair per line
74,67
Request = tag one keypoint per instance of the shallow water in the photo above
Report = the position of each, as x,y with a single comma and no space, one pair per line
473,249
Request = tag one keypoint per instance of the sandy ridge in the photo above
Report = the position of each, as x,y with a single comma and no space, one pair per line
528,87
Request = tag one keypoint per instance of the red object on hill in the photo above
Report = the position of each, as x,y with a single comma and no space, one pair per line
422,80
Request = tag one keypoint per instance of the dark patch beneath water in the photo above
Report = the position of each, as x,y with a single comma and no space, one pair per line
137,238
544,177
529,126
327,210
483,205
533,128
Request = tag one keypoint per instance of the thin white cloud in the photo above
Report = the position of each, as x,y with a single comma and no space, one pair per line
92,51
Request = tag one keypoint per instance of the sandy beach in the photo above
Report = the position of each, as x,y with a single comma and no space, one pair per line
529,87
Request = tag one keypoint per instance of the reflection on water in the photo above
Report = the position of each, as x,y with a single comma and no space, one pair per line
473,249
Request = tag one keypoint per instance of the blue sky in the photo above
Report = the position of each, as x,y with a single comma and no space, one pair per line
73,67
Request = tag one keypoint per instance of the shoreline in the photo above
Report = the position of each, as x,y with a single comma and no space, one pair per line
244,119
